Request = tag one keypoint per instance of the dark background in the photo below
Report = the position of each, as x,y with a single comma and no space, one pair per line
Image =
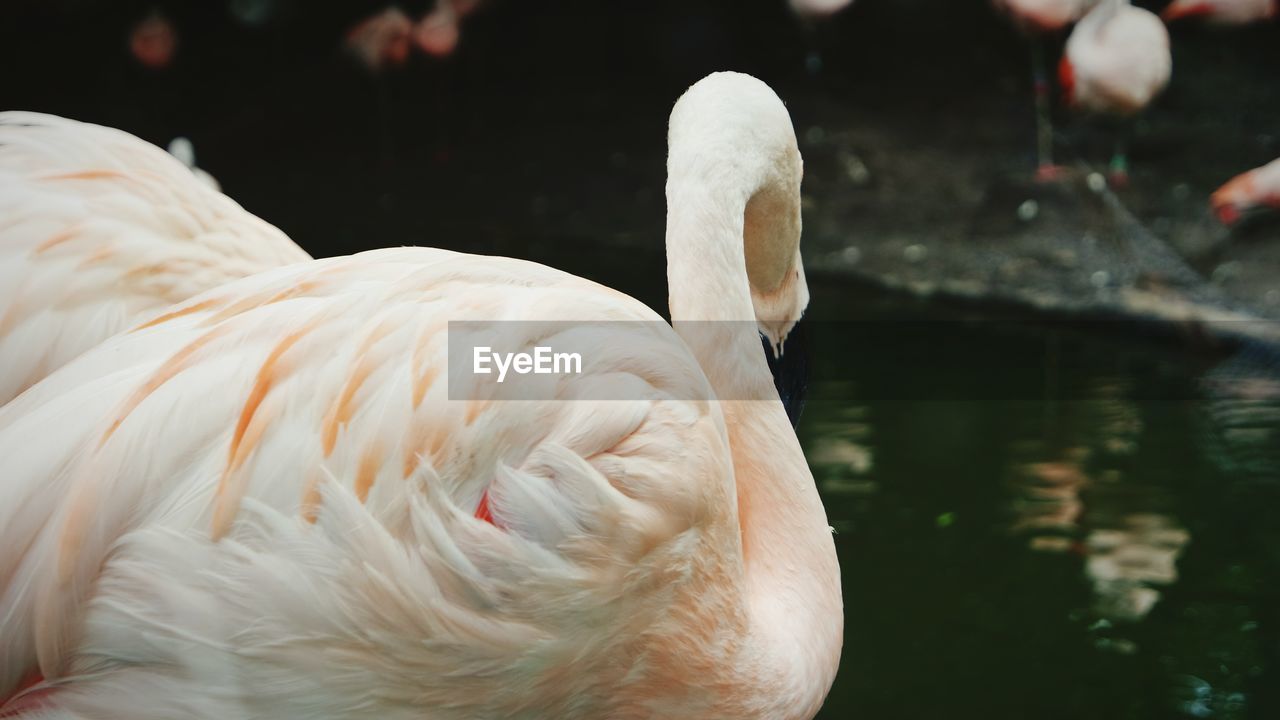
548,124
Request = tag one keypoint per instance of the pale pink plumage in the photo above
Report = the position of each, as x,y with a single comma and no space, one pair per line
1117,59
262,502
382,40
100,231
1226,12
818,8
1044,15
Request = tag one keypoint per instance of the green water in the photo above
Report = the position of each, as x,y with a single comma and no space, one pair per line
1036,522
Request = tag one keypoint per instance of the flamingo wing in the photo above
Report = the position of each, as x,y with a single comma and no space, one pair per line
100,231
264,502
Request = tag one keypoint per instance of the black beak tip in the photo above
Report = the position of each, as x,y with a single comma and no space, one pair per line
790,370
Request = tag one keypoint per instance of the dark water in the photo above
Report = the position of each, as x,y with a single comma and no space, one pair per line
1066,523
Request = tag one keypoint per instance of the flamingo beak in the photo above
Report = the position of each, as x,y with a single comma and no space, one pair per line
790,369
1227,213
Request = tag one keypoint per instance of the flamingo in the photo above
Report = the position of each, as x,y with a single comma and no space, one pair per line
1036,18
154,41
1254,190
386,38
382,40
437,33
817,9
1116,62
101,231
265,503
1226,12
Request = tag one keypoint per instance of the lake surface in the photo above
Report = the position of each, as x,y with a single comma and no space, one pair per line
1043,521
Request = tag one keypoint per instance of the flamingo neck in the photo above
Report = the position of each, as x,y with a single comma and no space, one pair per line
709,294
1103,12
790,576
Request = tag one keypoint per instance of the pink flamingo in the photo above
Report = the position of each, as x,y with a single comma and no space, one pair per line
382,40
817,9
268,502
1226,12
387,38
1254,190
154,41
438,32
1116,62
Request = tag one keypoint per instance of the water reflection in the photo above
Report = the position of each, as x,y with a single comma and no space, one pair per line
1075,540
1080,499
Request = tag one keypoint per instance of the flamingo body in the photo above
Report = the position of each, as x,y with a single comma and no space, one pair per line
1117,59
102,231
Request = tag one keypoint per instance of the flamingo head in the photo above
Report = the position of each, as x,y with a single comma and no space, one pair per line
1239,196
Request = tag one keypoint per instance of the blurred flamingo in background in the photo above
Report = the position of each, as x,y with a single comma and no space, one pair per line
154,41
1254,190
1036,18
385,39
382,40
266,502
1116,62
438,32
102,231
1226,12
817,9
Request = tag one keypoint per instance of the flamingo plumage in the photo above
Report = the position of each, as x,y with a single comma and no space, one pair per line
1117,59
1257,189
818,9
101,231
270,500
1224,12
1038,16
382,40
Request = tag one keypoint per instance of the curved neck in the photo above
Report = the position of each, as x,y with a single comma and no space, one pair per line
791,577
